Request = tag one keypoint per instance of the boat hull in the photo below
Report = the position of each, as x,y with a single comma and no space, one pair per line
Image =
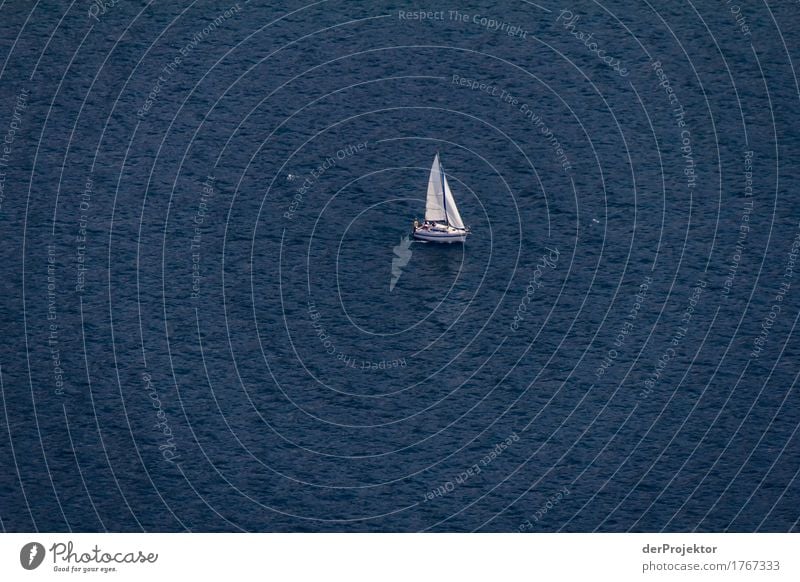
440,236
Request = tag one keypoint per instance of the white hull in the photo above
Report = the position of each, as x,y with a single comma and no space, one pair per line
449,235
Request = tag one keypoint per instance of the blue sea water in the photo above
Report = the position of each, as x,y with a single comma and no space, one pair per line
212,319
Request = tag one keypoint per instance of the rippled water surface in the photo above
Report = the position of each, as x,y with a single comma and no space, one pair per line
213,318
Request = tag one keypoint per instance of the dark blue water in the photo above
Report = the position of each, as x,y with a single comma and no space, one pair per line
210,320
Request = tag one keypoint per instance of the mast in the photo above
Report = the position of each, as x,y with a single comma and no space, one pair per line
444,197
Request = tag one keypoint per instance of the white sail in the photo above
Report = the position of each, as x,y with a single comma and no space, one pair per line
451,210
440,205
434,209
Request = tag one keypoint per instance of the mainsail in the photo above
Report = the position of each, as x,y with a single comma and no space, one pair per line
434,209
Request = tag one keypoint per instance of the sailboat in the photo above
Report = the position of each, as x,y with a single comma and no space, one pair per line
442,220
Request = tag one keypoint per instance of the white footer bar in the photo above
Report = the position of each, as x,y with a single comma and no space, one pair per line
400,557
